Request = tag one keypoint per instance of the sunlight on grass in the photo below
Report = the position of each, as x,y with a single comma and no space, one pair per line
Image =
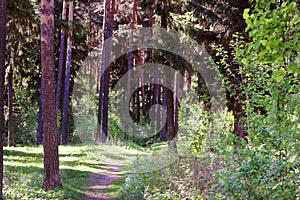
23,170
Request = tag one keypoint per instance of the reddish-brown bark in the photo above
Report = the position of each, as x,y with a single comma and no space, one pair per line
50,140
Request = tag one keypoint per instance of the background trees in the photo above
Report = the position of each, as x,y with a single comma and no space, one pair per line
218,21
260,69
67,76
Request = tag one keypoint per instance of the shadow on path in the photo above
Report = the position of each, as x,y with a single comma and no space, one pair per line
99,181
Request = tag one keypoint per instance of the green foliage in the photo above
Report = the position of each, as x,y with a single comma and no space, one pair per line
185,178
85,115
191,175
192,113
267,167
25,117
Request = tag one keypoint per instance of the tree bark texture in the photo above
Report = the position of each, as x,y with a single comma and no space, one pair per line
39,134
64,131
61,56
169,97
3,7
130,65
176,102
104,79
163,136
11,137
51,164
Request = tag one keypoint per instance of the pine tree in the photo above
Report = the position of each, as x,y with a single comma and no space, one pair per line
51,164
67,77
3,7
104,80
61,55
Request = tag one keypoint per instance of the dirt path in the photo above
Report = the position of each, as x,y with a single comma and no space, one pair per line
99,181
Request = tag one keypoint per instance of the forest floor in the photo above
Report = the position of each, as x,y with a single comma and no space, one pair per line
97,183
87,171
105,182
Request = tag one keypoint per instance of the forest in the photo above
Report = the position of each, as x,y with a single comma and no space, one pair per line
150,99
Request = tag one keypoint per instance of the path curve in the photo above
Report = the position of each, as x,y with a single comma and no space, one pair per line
98,181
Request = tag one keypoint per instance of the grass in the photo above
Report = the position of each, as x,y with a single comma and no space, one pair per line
23,170
114,188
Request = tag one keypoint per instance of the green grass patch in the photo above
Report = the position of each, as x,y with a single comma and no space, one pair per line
23,173
23,170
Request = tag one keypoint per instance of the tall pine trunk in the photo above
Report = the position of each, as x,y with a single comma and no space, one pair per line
170,120
106,76
163,135
176,102
61,56
169,97
104,79
3,6
156,99
11,137
51,164
39,134
129,65
141,78
67,77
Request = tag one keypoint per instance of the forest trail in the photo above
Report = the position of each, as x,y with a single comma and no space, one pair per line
111,166
99,181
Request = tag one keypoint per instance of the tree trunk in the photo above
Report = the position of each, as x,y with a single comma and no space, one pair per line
11,137
164,14
156,99
39,136
106,75
189,81
176,102
169,97
143,96
61,56
141,78
104,80
51,164
3,6
239,117
67,77
129,65
170,121
163,136
138,106
235,102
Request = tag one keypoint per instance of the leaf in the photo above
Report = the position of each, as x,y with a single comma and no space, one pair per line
293,69
264,42
244,61
246,13
278,75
